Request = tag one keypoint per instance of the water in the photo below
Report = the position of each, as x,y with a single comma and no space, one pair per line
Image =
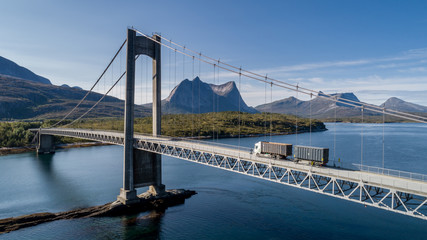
227,206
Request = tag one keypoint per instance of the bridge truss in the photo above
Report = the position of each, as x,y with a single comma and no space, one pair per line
404,196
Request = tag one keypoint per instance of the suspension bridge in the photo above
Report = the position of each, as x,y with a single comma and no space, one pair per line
391,190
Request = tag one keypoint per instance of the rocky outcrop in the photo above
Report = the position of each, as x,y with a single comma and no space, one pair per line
116,208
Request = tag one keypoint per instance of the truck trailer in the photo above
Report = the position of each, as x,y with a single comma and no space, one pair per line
277,150
313,155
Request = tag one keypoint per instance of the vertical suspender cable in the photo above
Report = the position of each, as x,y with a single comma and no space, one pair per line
265,111
296,116
217,104
174,122
271,109
213,106
199,120
192,99
240,78
311,96
383,139
335,127
183,65
361,141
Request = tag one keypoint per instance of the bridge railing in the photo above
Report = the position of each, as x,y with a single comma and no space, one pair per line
391,172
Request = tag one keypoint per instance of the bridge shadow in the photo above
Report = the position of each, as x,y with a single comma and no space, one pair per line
60,190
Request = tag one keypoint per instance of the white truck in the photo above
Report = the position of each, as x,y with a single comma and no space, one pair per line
273,150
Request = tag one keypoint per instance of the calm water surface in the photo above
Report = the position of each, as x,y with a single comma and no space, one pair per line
227,206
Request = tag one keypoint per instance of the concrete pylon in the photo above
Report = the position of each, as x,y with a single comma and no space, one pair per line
141,169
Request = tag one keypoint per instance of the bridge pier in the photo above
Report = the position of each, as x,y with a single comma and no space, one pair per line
46,144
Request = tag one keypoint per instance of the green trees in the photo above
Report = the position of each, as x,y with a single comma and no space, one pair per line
16,134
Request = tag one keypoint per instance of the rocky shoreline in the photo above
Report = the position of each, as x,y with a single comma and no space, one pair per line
148,201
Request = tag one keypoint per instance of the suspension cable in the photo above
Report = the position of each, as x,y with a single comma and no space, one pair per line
335,129
361,141
240,78
383,140
289,86
192,98
213,105
90,109
271,109
296,116
311,98
87,94
265,112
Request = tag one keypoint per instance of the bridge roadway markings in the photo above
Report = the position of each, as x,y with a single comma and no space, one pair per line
399,191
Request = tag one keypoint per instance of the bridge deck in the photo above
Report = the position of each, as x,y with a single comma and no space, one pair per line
387,192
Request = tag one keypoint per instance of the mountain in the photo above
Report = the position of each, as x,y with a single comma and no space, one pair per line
197,96
403,106
318,107
23,99
12,69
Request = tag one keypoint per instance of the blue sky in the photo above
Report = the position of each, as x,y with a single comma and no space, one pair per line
377,49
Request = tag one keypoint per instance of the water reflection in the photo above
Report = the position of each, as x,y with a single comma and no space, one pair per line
57,185
143,227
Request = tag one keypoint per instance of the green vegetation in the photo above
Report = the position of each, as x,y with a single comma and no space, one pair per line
222,124
16,134
371,119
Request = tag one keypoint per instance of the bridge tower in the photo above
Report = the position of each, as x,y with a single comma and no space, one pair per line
141,168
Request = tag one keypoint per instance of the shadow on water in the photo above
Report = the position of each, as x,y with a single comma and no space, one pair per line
142,227
59,187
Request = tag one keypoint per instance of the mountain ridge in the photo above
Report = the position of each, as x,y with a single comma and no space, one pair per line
10,68
324,108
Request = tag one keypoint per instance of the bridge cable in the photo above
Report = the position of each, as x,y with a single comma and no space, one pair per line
271,110
192,99
306,91
142,86
199,124
103,96
217,105
361,141
296,116
97,101
344,101
383,140
213,106
311,98
90,90
335,128
170,83
240,78
265,112
174,119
